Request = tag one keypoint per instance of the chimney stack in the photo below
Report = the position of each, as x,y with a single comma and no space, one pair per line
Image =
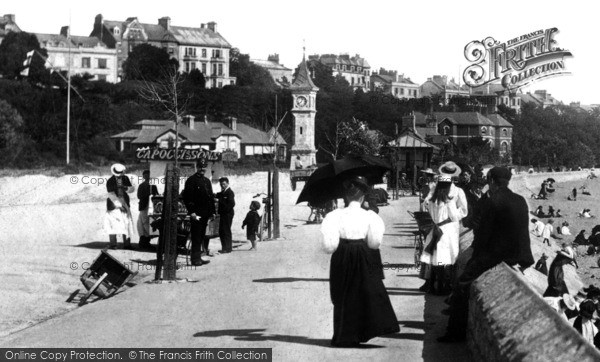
165,22
191,122
9,18
212,26
64,31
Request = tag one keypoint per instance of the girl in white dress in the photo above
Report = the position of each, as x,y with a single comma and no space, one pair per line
447,205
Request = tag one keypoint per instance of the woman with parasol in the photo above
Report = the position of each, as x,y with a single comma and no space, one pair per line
447,205
361,307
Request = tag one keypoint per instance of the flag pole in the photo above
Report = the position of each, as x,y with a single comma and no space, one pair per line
68,86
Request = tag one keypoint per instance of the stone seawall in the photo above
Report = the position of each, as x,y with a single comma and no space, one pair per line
509,321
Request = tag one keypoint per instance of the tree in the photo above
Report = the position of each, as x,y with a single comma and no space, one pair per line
248,73
13,53
148,63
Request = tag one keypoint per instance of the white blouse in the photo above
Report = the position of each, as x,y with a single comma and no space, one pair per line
455,209
352,222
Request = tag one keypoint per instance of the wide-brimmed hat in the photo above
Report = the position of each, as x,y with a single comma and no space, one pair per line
447,171
569,301
117,169
428,171
359,181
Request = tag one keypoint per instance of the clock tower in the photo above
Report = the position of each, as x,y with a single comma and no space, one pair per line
304,93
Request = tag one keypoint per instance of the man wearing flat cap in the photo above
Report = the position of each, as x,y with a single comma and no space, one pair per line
501,234
198,197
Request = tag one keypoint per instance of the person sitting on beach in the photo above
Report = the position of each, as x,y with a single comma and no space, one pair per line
573,195
539,212
547,232
584,323
541,264
558,214
564,229
551,211
585,213
550,186
543,194
538,227
580,239
584,191
562,304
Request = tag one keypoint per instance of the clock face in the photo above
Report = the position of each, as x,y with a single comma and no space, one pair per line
301,101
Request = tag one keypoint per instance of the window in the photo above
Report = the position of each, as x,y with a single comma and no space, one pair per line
504,147
220,84
116,31
86,62
363,80
203,53
220,69
300,130
102,63
483,131
352,68
222,144
193,65
513,102
518,101
352,83
216,53
249,150
204,68
402,91
396,91
504,132
233,144
446,130
358,69
187,67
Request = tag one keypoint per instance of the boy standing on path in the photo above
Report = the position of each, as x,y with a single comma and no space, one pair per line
226,204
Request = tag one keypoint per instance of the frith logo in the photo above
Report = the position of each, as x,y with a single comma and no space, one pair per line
516,62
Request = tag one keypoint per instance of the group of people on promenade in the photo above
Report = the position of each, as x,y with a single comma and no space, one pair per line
497,219
202,205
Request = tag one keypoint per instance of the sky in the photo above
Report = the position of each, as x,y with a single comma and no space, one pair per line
418,39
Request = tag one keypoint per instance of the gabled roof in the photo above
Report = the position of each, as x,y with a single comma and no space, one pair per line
55,40
269,64
179,34
303,82
498,120
408,139
203,133
464,118
132,133
198,36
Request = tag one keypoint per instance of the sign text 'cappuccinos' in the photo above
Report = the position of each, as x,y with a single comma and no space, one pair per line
516,62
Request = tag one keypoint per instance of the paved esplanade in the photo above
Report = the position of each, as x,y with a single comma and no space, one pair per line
277,297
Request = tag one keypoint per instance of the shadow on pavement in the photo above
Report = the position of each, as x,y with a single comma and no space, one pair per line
93,245
289,280
255,335
412,336
435,323
403,247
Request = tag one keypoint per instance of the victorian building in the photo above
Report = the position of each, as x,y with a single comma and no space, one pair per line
229,135
281,74
201,48
441,86
390,82
494,95
87,55
355,70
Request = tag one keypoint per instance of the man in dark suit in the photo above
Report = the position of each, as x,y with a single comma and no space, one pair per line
199,200
501,234
226,204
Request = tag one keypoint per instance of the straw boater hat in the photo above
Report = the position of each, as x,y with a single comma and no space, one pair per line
428,171
447,171
117,169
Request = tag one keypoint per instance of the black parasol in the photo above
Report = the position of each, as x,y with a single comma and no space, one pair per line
325,184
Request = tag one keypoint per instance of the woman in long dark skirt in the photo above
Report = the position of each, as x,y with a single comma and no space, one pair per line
361,307
556,276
